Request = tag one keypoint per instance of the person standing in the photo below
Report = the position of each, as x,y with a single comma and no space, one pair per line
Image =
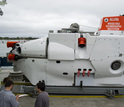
7,98
43,97
4,81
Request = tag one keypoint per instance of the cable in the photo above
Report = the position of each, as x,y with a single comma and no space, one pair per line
89,27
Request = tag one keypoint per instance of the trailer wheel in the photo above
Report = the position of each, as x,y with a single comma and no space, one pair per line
110,94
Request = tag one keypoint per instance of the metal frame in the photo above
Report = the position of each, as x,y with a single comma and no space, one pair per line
109,91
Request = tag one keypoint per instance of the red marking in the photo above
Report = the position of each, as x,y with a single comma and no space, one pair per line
78,73
88,73
84,72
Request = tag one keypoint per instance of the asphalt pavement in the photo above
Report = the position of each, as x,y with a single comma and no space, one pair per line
75,102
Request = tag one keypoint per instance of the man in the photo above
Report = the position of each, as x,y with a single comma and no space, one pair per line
4,81
7,98
43,97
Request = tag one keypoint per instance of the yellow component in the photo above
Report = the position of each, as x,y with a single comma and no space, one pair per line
78,96
119,96
64,96
83,96
21,83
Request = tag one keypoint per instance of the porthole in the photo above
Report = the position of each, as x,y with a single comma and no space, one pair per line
115,65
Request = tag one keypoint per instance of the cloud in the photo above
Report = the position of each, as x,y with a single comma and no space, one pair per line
38,16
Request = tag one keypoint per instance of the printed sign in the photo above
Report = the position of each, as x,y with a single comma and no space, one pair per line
112,23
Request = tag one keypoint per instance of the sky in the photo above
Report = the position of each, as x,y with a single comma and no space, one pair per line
35,18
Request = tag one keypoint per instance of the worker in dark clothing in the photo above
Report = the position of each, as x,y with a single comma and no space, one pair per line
43,97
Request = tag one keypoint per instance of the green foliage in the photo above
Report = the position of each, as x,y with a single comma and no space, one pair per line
17,38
